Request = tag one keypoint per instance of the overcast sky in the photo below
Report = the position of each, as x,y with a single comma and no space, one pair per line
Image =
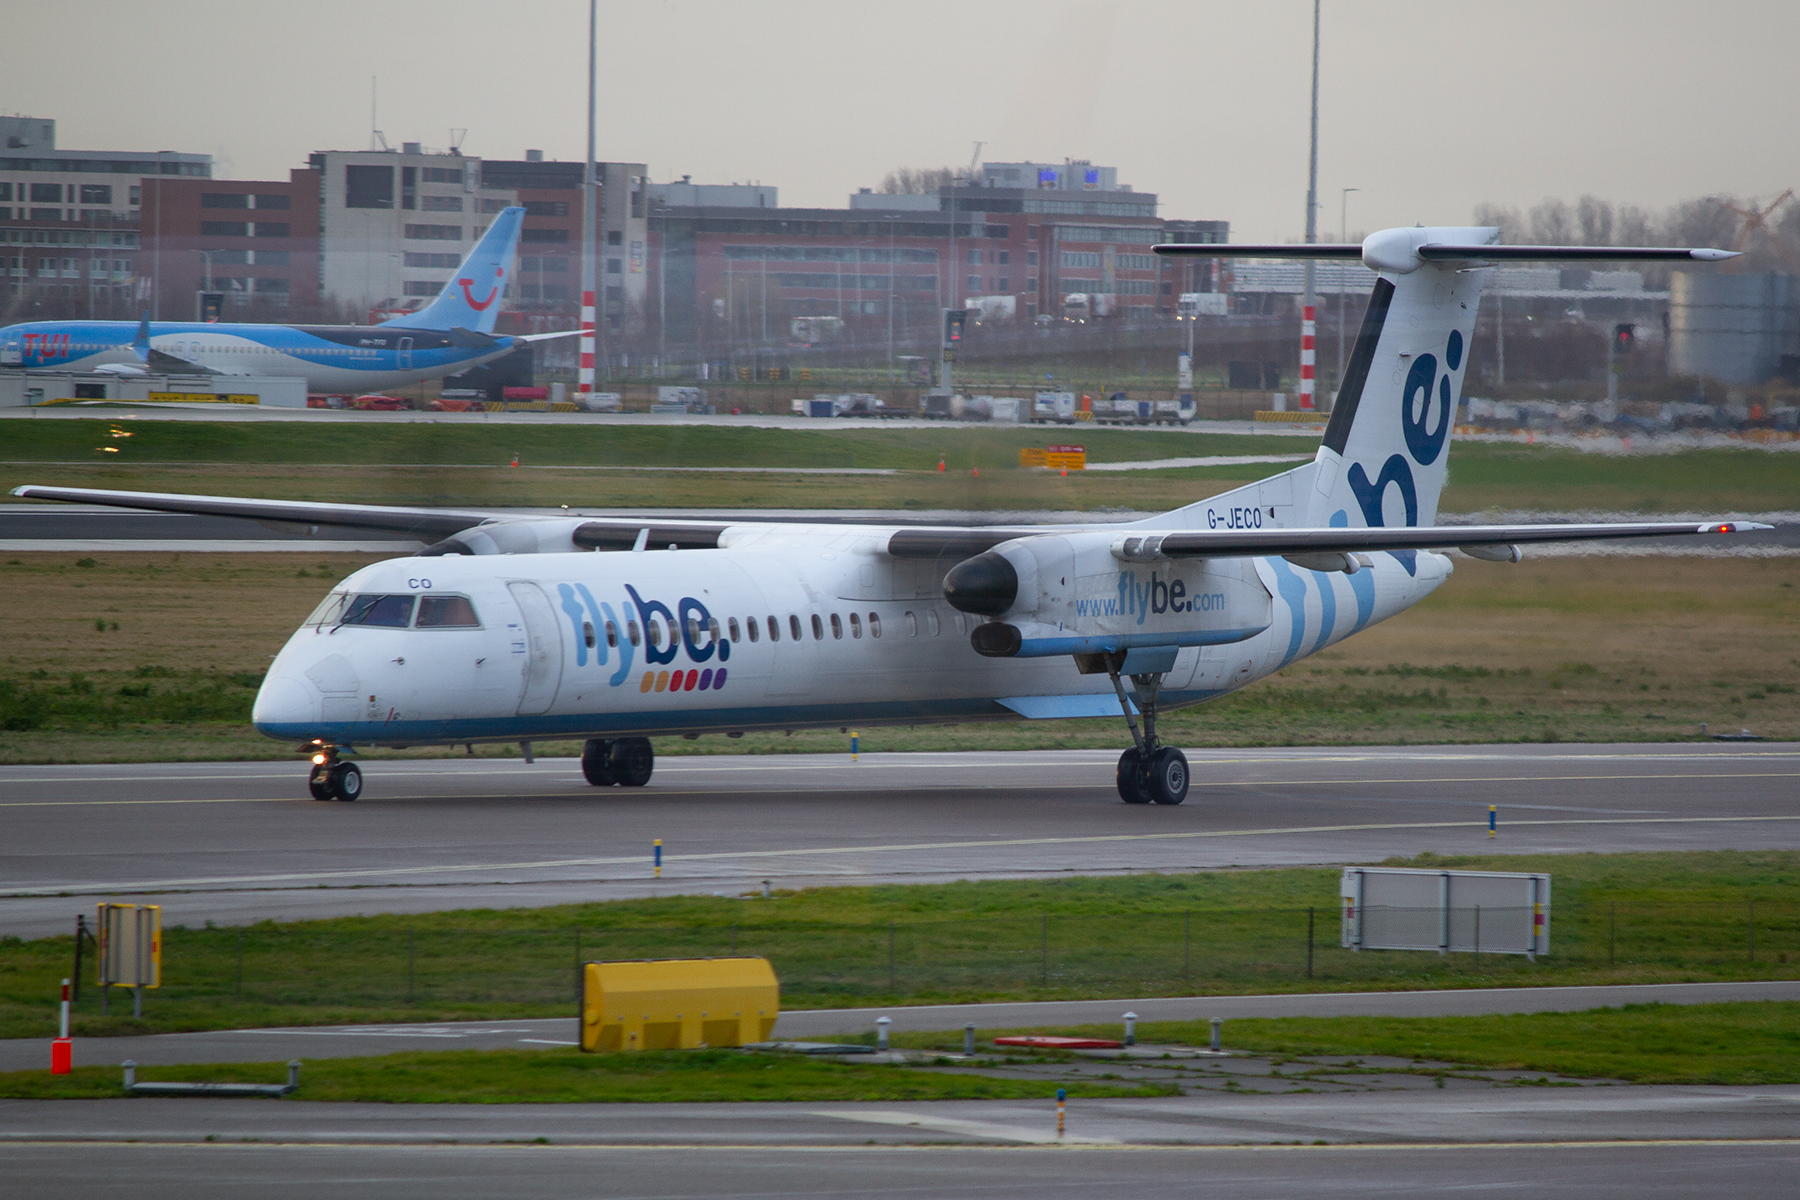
1427,108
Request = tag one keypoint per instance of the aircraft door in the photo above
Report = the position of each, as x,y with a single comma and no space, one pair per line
406,345
543,649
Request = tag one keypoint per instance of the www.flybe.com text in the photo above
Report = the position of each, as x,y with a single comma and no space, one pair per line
1155,595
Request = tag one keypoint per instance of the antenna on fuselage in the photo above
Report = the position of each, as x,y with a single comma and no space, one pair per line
643,539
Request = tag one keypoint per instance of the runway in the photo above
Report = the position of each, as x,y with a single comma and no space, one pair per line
236,843
1590,1143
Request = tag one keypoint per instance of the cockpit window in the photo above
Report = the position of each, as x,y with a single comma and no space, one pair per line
329,610
372,609
444,612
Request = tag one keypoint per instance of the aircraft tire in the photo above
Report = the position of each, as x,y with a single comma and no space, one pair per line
346,781
633,761
1131,778
597,763
319,784
1166,782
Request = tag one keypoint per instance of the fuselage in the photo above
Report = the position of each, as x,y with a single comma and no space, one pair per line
331,358
792,628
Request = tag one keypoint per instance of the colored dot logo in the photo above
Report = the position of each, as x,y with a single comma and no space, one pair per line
683,681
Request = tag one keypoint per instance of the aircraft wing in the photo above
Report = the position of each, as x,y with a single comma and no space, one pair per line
425,523
1233,543
161,363
544,337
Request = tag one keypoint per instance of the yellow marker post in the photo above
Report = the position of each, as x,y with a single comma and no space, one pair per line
853,737
659,858
1493,818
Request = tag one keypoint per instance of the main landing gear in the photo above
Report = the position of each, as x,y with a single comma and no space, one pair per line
1148,773
332,778
624,761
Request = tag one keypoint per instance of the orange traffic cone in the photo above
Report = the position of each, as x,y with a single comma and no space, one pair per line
515,461
975,471
940,464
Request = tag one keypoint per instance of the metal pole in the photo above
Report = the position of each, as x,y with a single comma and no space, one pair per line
585,374
890,300
1343,237
1308,313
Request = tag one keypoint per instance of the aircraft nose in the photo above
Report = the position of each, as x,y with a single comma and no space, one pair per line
284,701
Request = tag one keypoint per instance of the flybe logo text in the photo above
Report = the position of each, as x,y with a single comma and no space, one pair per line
1153,596
637,624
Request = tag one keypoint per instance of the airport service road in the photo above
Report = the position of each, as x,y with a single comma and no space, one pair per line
239,842
361,1041
1580,1144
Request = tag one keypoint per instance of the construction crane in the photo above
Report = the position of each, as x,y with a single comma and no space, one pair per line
1756,221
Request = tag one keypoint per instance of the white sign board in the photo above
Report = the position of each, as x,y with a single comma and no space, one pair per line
1490,912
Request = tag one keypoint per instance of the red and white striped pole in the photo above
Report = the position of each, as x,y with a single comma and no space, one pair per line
585,380
1308,327
62,1050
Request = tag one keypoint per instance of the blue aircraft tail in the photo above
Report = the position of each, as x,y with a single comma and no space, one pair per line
471,300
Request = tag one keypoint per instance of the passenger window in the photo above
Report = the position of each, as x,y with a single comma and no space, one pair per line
875,625
693,631
631,630
732,626
612,635
446,612
818,628
774,630
855,626
794,626
655,628
962,624
587,633
912,625
931,621
837,627
329,610
394,612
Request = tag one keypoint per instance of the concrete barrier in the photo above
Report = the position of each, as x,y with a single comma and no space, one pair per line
678,1003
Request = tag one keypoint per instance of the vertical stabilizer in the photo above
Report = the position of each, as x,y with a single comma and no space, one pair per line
471,299
1387,443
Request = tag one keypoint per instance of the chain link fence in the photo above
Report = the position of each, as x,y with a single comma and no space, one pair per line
513,971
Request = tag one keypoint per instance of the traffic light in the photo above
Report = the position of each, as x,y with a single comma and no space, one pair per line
1624,338
953,325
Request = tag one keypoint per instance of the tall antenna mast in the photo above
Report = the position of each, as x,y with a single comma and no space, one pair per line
584,385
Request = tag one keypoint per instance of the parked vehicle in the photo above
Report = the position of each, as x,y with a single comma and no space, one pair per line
1053,408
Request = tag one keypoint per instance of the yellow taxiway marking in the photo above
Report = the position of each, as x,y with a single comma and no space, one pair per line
637,860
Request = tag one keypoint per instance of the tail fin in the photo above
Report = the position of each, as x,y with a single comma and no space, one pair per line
471,300
1383,459
1387,443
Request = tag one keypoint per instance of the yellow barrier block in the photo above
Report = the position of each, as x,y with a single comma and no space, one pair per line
678,1003
1292,417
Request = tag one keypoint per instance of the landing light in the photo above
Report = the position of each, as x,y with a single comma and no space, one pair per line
318,760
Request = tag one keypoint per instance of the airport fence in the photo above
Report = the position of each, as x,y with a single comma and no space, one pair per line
506,969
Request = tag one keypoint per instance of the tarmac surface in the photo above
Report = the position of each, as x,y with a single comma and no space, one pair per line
1586,1143
236,843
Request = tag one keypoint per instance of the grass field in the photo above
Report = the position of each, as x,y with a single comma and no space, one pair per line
1630,918
569,1077
1747,1042
144,656
457,464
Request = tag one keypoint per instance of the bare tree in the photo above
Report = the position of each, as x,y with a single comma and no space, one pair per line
1704,222
1507,220
1551,223
917,181
1594,217
1634,226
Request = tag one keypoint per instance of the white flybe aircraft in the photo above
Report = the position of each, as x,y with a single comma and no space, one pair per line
514,629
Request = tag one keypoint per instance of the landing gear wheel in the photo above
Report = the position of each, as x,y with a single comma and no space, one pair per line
319,783
1166,779
597,763
346,781
1131,778
633,760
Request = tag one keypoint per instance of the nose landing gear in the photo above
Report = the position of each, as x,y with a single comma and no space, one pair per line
625,761
1148,773
331,777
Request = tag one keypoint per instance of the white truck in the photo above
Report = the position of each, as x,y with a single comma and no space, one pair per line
1201,304
1053,408
1081,307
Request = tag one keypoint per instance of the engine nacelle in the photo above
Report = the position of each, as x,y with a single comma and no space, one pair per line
1073,594
534,536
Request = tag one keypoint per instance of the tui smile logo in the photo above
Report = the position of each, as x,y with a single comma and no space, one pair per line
468,292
